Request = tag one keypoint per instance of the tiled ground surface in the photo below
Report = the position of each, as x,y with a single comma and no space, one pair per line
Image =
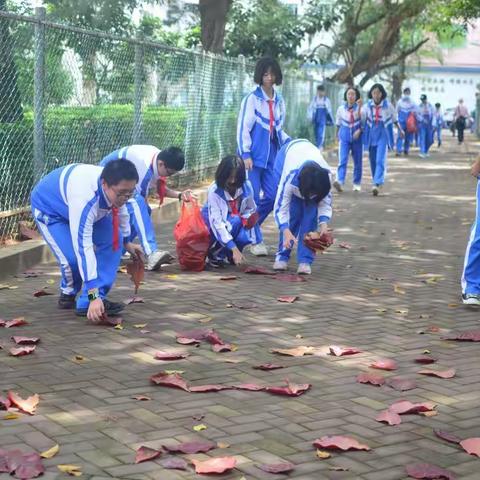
418,227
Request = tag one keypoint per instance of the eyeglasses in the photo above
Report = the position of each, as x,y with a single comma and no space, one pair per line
124,193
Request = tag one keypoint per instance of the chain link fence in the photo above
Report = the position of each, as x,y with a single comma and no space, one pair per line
71,95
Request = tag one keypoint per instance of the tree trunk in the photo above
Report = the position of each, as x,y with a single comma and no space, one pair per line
10,102
213,18
398,78
89,81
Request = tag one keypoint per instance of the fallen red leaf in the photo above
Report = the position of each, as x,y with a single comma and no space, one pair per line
214,465
173,380
345,245
146,453
384,364
28,405
133,299
24,465
449,437
41,293
209,388
197,334
21,351
213,338
437,373
191,447
389,417
110,321
277,467
228,278
339,442
465,336
401,384
187,341
289,277
291,390
405,406
25,340
16,322
249,386
318,243
427,471
288,299
174,463
471,446
340,351
136,270
258,271
170,356
267,366
372,378
425,360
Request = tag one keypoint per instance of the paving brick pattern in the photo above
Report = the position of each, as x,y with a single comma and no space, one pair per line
418,227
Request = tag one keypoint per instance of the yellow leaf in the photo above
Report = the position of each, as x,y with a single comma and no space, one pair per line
298,336
430,413
381,310
11,416
322,454
424,315
199,428
140,325
223,445
401,311
73,470
51,451
398,290
233,347
205,320
453,305
172,276
173,372
426,352
374,291
51,281
118,327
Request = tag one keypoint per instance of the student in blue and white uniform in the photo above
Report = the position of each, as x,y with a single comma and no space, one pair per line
350,124
320,114
438,123
425,126
471,268
80,212
304,201
405,107
230,212
152,166
378,136
259,136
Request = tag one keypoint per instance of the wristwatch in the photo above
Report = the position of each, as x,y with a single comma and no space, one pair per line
93,294
180,197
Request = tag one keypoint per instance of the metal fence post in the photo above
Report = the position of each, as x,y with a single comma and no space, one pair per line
38,95
138,95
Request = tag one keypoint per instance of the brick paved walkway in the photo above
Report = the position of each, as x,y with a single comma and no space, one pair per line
418,227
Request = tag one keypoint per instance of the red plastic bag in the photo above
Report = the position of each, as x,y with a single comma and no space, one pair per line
411,123
192,237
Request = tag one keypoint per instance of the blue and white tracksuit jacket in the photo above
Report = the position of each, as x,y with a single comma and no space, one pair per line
144,157
438,125
404,107
227,230
425,115
349,120
378,137
255,141
291,209
74,217
320,114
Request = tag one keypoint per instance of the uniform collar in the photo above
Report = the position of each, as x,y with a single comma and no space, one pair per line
262,95
103,201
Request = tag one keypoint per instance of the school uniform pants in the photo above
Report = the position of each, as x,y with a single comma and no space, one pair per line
377,155
471,266
344,149
303,219
239,233
264,183
319,134
425,139
438,131
57,234
141,223
403,144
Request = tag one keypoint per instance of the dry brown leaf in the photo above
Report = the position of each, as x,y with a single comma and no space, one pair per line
294,352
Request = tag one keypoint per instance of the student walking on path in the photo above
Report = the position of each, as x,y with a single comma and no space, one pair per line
460,117
378,136
259,136
425,131
350,124
406,109
320,114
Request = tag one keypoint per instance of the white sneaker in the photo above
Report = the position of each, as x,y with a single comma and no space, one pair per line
259,250
422,155
156,258
338,186
471,299
375,190
304,269
357,188
280,265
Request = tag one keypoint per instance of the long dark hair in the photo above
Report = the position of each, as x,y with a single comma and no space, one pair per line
225,168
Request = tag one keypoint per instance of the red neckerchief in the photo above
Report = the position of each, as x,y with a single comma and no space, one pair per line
377,113
270,111
352,116
116,226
